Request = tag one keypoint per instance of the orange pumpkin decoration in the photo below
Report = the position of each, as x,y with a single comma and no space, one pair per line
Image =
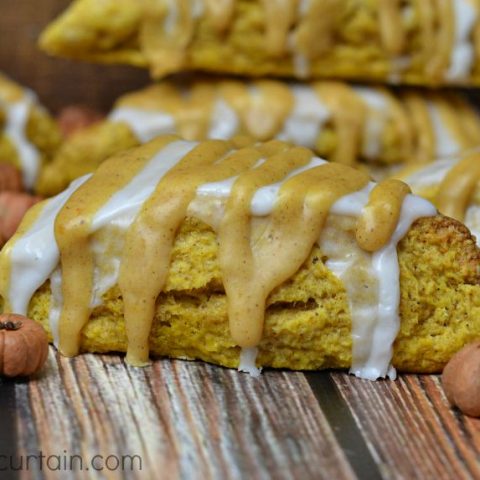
23,346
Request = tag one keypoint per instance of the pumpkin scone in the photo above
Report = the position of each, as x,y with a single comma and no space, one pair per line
423,42
28,134
340,122
245,256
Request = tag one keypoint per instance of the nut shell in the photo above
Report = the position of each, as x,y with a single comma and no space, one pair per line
10,178
461,379
75,118
23,351
13,206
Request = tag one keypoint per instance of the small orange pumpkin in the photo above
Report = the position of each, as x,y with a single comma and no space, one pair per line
23,346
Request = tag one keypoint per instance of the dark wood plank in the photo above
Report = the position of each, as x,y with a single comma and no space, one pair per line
58,82
185,419
347,432
410,428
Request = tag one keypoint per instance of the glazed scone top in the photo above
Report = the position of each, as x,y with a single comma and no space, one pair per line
345,123
306,28
434,40
269,204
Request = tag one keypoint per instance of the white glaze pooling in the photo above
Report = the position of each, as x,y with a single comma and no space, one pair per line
248,357
308,115
16,130
375,121
35,254
145,124
463,51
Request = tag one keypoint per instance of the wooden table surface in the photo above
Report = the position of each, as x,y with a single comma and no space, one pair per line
189,420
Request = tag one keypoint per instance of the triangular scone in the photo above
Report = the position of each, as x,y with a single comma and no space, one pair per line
241,254
416,41
340,122
28,135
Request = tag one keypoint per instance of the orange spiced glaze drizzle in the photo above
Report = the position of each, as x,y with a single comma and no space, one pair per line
254,258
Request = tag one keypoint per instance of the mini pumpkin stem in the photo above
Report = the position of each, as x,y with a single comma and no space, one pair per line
9,325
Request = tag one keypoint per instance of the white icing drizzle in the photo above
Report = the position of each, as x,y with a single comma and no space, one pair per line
122,208
375,121
145,124
430,175
56,303
248,357
35,256
385,263
400,63
197,8
445,143
308,115
463,52
224,122
171,18
15,129
263,199
374,324
472,221
301,64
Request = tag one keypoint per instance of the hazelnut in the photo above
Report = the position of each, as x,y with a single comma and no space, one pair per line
74,118
13,206
10,178
461,379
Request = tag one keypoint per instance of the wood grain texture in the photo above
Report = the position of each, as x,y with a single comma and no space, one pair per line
193,420
411,430
186,420
58,82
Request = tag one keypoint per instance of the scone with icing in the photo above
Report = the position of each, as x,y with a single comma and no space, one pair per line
343,123
245,256
423,42
28,135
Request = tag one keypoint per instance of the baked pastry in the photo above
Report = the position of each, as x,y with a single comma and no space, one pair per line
219,251
342,123
452,184
28,135
423,42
